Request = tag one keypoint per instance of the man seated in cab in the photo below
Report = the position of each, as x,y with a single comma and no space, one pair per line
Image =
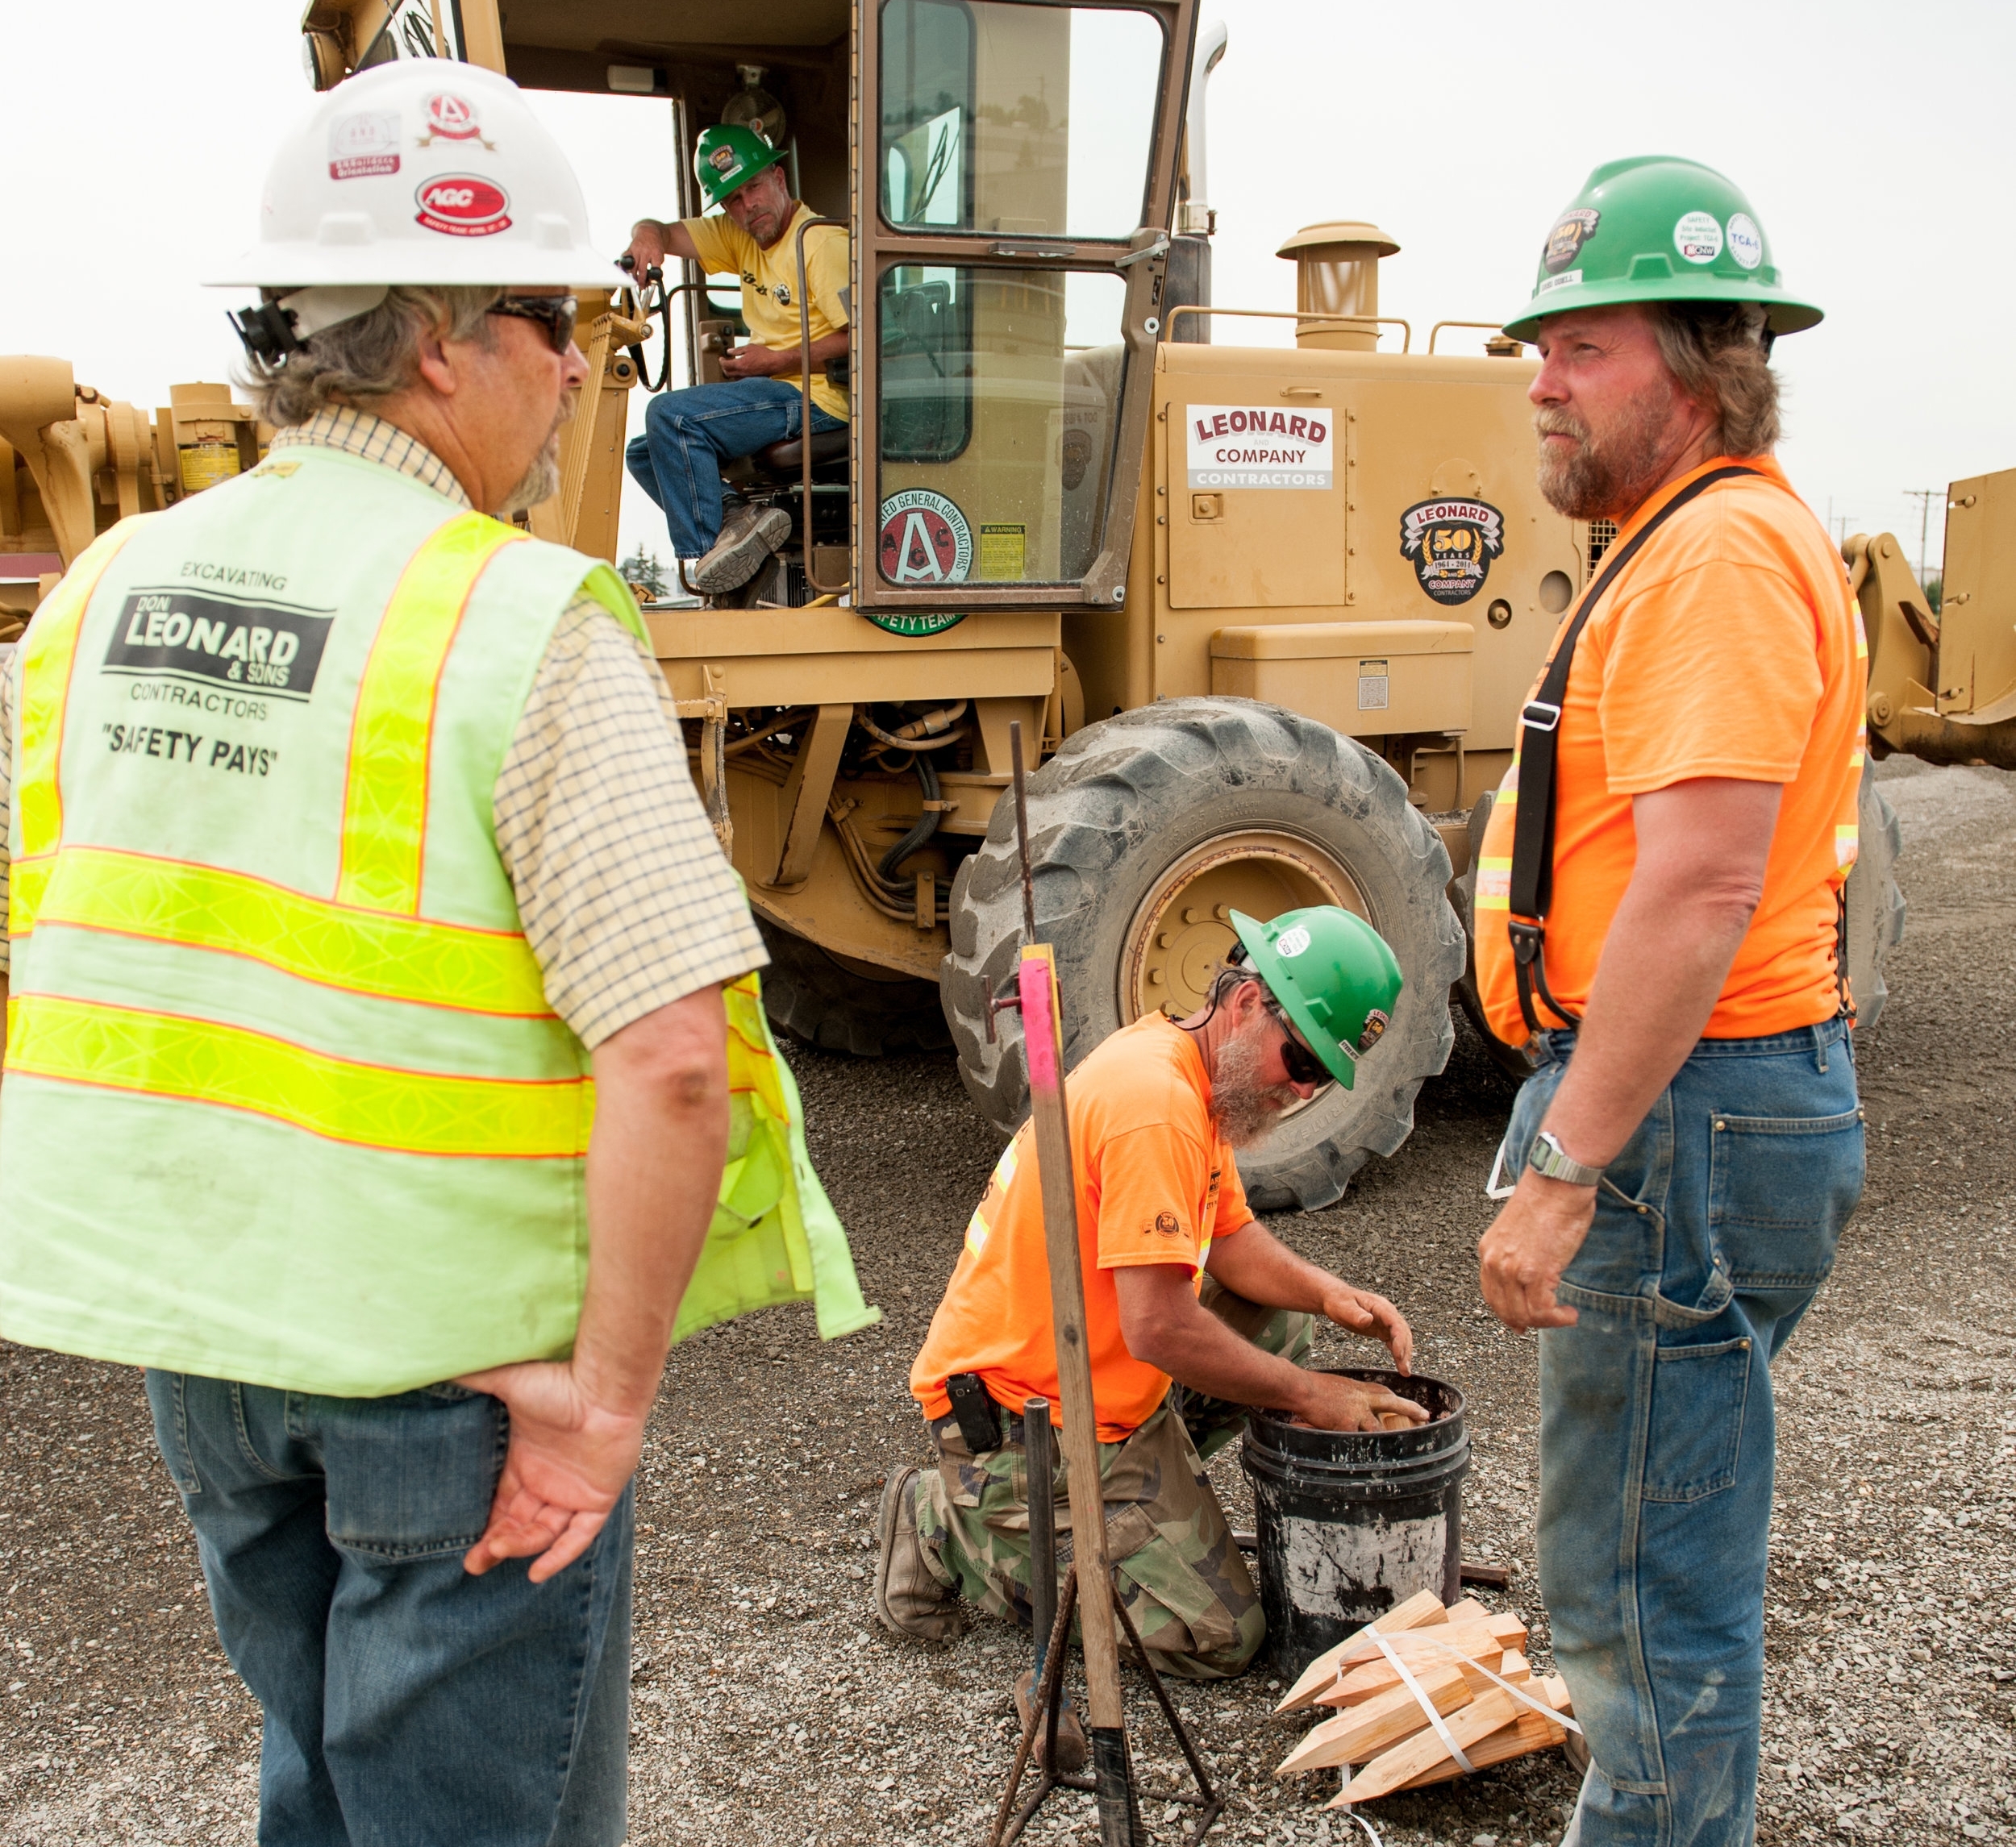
1193,1311
687,435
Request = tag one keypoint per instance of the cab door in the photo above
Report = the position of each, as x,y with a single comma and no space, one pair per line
1012,186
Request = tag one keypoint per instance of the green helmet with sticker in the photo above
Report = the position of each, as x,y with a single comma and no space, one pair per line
1333,974
728,157
1657,229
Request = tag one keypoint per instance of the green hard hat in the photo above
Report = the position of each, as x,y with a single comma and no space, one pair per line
1333,974
1657,229
728,157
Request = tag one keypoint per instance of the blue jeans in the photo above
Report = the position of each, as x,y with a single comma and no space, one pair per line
406,1704
1714,1230
687,435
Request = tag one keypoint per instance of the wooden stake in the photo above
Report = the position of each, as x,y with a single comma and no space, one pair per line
1420,1610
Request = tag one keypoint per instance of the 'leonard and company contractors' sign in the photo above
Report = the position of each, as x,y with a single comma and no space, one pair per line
1256,446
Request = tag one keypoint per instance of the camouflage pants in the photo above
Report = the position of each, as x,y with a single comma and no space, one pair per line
1184,1583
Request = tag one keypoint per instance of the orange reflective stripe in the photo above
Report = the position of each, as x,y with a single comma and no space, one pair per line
171,1055
49,655
363,952
385,797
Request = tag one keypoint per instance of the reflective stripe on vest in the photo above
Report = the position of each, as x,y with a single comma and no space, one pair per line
385,801
49,656
373,1106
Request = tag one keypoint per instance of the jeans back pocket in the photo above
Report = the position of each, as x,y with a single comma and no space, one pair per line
1699,1395
1780,1189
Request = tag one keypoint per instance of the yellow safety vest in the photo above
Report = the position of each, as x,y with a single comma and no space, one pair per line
285,1102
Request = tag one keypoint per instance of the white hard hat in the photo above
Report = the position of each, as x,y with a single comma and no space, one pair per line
420,172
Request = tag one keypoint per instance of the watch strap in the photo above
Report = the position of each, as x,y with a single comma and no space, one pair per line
1547,1157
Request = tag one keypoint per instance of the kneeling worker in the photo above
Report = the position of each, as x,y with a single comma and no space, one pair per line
1180,1285
687,435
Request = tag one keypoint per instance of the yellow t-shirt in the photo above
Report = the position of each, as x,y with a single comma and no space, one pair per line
1156,1184
770,284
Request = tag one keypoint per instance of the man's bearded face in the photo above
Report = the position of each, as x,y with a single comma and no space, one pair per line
1614,462
541,479
1247,1111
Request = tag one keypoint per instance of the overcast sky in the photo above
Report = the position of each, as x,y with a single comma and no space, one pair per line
1872,141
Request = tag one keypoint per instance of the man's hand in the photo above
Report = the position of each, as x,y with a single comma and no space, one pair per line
1521,1259
753,361
648,246
568,1463
1364,1313
1329,1403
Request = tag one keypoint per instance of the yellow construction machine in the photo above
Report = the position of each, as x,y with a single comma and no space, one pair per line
1266,615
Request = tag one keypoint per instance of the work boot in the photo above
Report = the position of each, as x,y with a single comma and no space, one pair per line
748,535
908,1598
1072,1749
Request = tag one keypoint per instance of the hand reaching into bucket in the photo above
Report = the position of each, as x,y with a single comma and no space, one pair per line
1330,1401
1364,1313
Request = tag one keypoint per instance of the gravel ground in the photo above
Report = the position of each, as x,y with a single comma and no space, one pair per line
769,1707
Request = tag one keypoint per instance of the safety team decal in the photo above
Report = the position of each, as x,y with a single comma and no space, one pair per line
925,539
1451,542
1252,446
462,205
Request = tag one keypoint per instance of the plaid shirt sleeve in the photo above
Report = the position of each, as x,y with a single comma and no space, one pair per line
625,896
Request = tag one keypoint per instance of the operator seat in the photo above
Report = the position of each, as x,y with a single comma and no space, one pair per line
785,462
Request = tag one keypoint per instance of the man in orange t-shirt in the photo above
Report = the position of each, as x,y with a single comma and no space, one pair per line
1181,1284
1691,1143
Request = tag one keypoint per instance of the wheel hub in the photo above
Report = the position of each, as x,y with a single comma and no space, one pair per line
1182,932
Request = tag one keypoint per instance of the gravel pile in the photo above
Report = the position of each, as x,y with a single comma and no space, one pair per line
767,1706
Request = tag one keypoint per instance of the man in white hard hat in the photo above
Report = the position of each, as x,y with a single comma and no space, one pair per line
355,867
762,399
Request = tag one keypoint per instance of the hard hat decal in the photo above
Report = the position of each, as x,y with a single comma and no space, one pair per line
460,204
925,539
362,146
1746,241
1564,242
1451,542
1242,445
1697,237
452,118
1291,943
1376,1022
724,162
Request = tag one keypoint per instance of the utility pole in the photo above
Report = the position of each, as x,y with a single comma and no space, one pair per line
1924,496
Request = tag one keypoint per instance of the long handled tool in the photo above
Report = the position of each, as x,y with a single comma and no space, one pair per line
1099,1610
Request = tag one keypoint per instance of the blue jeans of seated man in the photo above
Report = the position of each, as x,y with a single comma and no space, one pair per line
406,1704
1713,1231
687,435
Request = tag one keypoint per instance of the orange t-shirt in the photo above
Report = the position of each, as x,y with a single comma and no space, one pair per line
1156,1183
1729,646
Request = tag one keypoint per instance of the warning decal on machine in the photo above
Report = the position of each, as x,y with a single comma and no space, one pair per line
1256,446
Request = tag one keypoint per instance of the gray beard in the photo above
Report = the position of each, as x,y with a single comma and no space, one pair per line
1608,476
540,482
1245,1110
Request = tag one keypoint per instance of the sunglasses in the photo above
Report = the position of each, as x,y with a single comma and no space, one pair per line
1301,1064
555,313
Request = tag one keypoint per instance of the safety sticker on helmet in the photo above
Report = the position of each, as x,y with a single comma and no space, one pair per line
1565,242
1746,241
460,204
452,118
363,146
1291,943
1697,237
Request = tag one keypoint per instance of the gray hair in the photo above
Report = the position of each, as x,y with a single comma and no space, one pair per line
369,355
1718,353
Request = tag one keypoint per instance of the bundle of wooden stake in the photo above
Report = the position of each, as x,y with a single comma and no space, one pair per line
1384,1728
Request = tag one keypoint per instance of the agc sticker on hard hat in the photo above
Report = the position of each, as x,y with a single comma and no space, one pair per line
461,204
925,539
1697,237
452,118
1746,241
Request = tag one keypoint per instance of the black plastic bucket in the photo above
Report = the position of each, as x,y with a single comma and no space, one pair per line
1352,1522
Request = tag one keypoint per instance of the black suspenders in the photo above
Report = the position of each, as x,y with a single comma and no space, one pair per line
1539,735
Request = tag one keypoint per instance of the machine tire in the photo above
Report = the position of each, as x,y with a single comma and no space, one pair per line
824,1002
1116,813
1514,1061
1876,906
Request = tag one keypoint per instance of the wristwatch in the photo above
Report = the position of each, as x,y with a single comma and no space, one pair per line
1547,1157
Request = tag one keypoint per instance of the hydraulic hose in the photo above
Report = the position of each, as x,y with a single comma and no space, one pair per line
926,824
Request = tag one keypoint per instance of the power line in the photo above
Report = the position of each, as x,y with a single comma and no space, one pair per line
1924,496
